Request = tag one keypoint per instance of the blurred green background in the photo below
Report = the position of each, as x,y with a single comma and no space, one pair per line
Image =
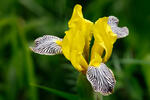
22,71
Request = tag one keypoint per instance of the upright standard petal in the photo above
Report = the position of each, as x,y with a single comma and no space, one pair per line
76,40
104,40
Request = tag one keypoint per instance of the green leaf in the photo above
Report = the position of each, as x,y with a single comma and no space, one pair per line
146,72
134,61
65,95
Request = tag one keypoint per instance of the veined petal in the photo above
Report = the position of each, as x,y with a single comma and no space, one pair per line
47,45
101,78
77,39
104,40
120,31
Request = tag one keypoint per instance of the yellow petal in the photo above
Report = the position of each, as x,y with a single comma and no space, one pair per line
76,40
104,40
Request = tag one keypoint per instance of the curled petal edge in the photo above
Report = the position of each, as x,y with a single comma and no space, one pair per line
120,31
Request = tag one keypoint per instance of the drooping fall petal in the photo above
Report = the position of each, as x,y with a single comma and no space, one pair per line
120,31
101,78
47,45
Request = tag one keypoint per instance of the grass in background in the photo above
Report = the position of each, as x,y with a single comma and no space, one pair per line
22,21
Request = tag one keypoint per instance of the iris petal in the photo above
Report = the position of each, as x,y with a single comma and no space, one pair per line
104,40
47,45
120,31
101,78
76,40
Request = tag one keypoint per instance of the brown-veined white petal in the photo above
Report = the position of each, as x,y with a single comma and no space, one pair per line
120,31
101,78
47,45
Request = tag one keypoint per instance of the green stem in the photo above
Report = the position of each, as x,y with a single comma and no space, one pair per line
84,88
85,91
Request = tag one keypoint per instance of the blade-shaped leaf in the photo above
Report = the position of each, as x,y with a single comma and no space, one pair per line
62,94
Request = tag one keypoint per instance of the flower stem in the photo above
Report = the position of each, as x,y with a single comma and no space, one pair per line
98,96
85,91
84,88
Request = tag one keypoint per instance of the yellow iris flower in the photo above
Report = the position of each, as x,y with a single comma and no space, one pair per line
75,47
